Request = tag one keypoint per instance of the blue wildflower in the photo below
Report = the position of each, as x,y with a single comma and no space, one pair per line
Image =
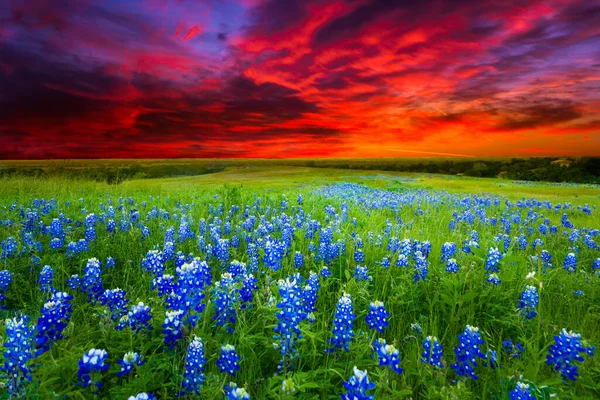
402,261
5,281
193,376
91,283
291,313
448,251
325,272
18,354
343,322
116,302
388,355
565,351
361,273
228,361
421,267
92,361
142,396
298,260
432,352
172,327
494,279
310,293
129,361
492,261
528,302
225,295
56,314
138,318
377,317
452,266
153,262
357,386
467,352
570,263
521,392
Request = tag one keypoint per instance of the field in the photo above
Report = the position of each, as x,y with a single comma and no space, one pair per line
287,264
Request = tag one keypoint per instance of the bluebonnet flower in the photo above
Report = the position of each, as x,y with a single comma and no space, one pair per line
164,284
233,392
546,259
359,256
111,226
291,313
537,243
56,314
522,242
432,352
492,261
168,251
145,232
110,263
228,361
56,229
448,251
578,293
528,302
116,302
138,318
129,361
565,351
90,220
193,376
596,264
172,327
521,392
153,262
402,261
310,293
56,243
91,283
143,396
325,272
388,355
452,266
385,262
274,252
570,263
192,279
19,352
494,279
377,317
343,322
361,273
5,281
357,386
92,361
467,352
565,221
225,295
249,285
298,260
9,247
90,234
421,267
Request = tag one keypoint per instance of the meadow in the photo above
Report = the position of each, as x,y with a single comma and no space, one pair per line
264,282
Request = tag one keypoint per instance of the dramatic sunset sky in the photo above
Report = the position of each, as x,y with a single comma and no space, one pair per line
298,78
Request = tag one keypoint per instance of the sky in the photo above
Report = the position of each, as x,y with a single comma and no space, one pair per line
298,78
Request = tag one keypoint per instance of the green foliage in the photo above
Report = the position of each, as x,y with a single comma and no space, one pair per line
442,305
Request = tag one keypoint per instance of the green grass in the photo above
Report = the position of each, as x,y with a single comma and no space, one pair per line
442,305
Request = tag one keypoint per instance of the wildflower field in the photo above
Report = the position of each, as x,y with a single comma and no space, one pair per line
299,283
